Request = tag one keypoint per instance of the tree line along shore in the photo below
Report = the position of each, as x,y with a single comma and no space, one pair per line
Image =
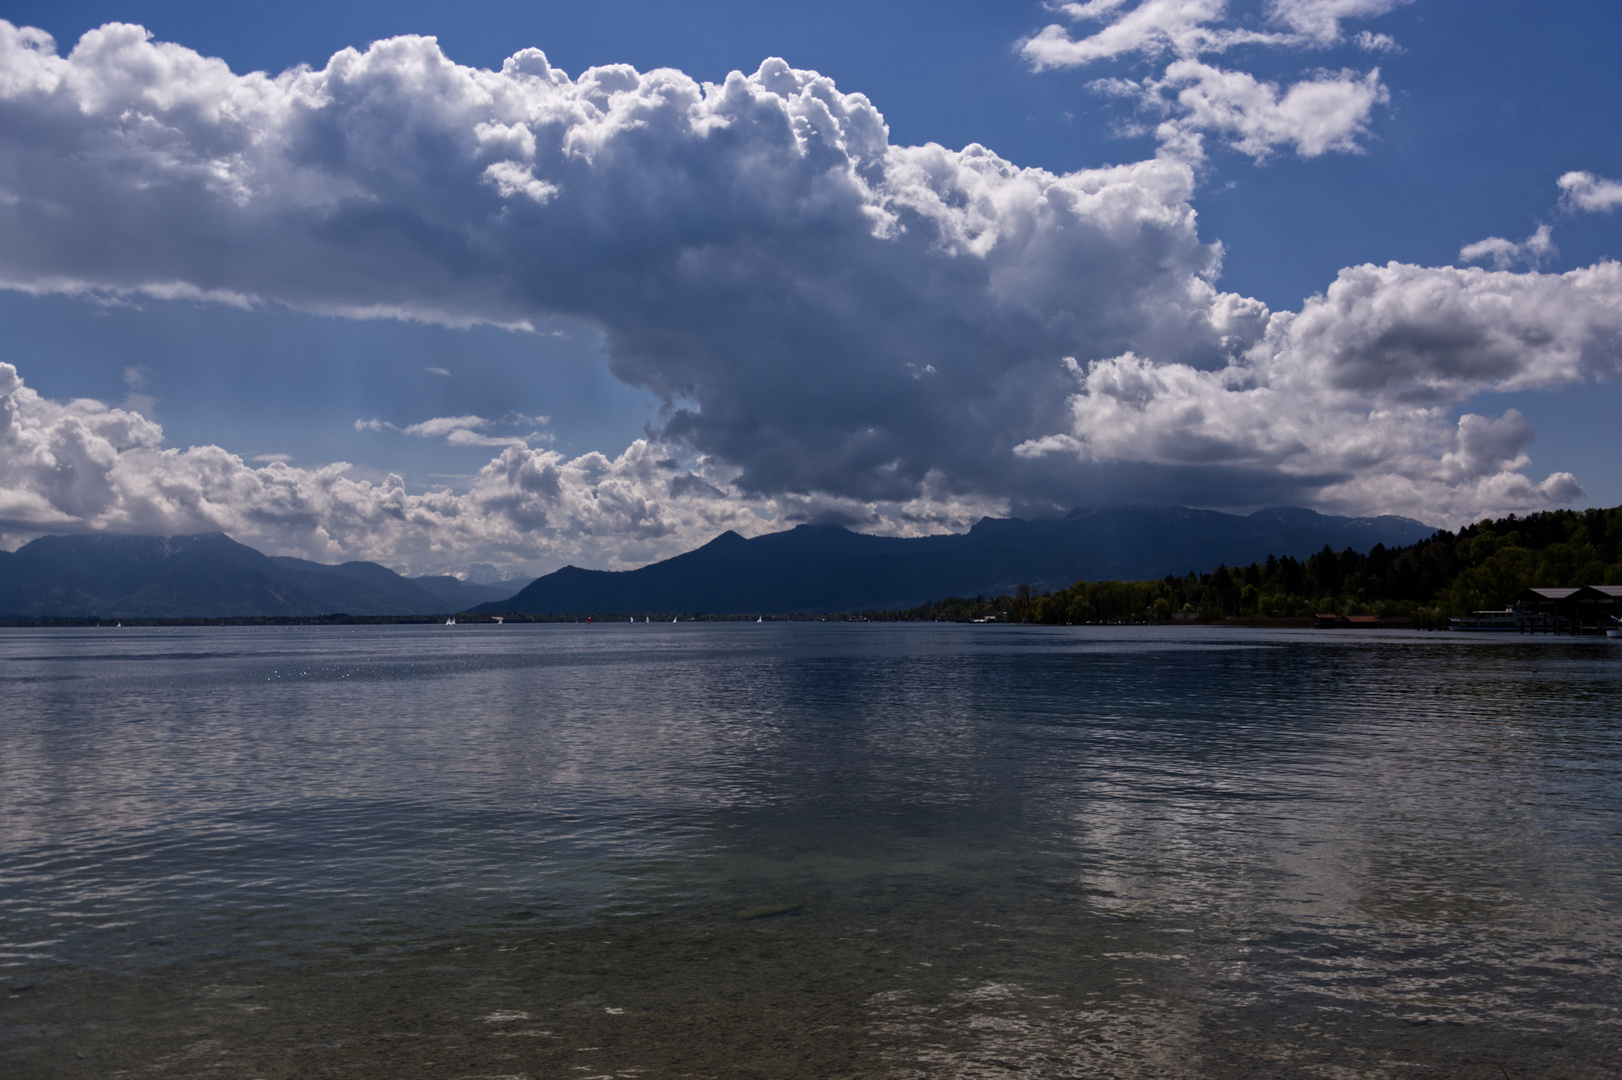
1479,567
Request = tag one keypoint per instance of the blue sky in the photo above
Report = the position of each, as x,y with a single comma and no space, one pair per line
1469,116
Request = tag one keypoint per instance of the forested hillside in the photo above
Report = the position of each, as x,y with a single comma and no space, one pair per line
1481,566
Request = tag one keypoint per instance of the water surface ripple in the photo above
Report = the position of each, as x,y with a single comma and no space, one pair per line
808,850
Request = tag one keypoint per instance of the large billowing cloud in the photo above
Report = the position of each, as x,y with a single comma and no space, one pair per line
829,312
838,326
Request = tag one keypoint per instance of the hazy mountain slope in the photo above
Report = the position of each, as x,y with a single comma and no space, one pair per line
203,575
454,594
206,585
360,588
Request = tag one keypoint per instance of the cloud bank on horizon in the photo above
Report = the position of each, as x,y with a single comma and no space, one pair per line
898,337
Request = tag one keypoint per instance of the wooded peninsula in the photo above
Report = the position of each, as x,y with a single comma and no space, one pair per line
1479,567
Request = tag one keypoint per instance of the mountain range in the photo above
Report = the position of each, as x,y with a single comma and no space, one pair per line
208,575
823,568
811,568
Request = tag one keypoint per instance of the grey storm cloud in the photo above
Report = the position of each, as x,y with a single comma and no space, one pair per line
831,320
756,252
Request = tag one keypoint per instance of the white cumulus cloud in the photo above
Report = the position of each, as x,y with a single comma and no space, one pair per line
444,425
1189,28
1314,116
1180,27
1318,22
1356,390
83,466
1504,254
1585,191
464,430
1327,111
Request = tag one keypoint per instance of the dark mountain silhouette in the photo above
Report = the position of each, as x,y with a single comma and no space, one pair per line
811,568
206,575
819,568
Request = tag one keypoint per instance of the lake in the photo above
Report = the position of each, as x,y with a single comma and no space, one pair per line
808,850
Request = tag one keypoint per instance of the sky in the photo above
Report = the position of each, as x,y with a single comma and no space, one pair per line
529,284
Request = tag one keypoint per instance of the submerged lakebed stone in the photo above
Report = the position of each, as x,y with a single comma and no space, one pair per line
766,911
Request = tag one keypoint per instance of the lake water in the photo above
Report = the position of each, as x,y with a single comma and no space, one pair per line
808,851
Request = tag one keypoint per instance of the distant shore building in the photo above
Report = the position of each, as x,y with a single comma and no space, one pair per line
1589,608
1586,609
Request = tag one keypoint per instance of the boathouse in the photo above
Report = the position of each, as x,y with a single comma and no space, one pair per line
1586,608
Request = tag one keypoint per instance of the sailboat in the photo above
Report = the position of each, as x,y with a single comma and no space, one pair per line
759,618
451,621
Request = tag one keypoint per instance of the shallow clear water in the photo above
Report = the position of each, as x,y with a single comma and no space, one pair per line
808,850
